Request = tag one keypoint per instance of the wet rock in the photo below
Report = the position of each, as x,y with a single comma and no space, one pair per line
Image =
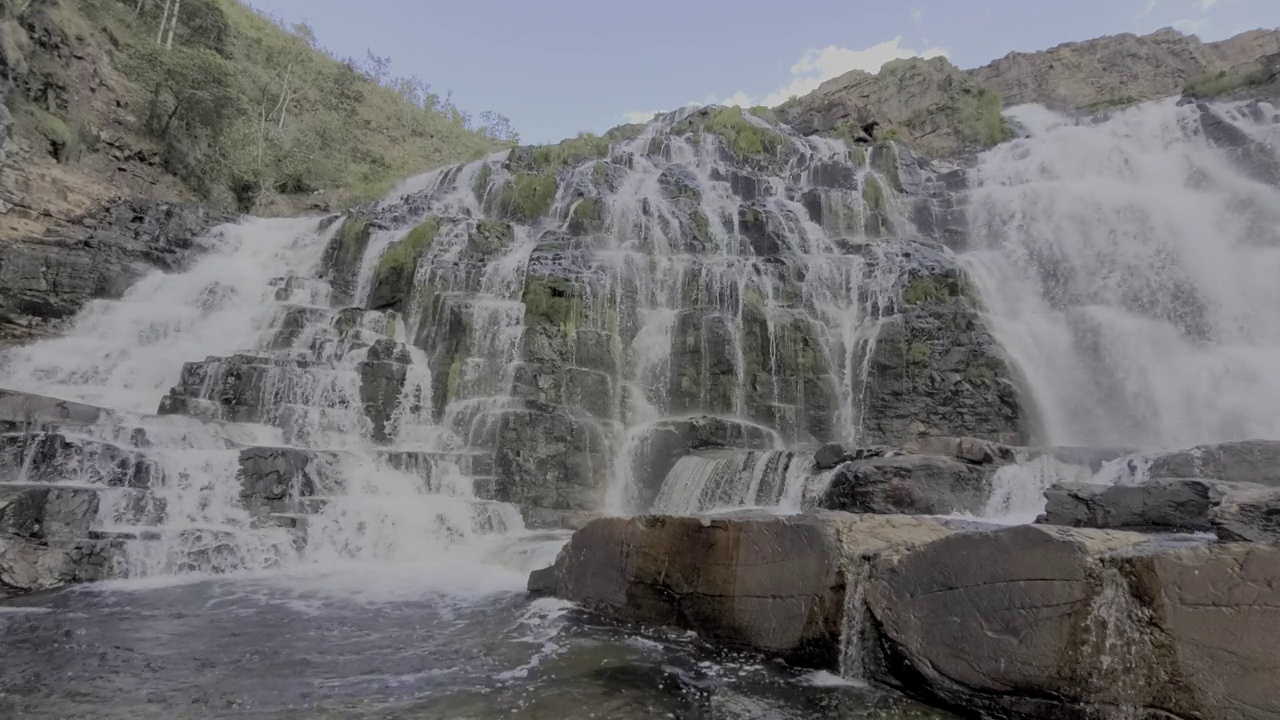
909,485
935,369
1037,621
25,412
273,479
1250,461
1255,158
546,458
343,255
382,378
834,454
771,583
52,457
970,450
656,450
44,281
1249,516
27,566
1172,504
55,513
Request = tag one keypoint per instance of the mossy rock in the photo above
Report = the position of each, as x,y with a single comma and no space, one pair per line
566,154
343,256
873,195
551,300
393,278
587,217
490,237
480,186
745,139
528,196
925,290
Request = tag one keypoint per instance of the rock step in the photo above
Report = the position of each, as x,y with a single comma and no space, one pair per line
22,411
57,457
1032,621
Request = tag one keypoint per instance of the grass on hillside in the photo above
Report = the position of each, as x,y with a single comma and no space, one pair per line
248,112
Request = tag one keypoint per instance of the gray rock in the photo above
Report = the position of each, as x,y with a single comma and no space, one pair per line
910,485
1249,461
44,281
272,480
56,457
770,583
1038,621
1251,516
1174,504
55,513
26,412
970,450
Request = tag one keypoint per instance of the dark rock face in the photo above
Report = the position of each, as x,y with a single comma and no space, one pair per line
936,369
1256,158
382,378
547,459
50,457
45,281
27,566
1249,516
909,485
55,513
1170,504
273,479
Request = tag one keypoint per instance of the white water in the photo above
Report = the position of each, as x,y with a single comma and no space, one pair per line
126,354
1129,269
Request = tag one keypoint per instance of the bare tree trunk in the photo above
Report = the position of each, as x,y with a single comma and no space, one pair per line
285,97
138,10
173,24
163,21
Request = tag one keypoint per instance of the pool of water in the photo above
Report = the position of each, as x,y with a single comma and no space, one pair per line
381,641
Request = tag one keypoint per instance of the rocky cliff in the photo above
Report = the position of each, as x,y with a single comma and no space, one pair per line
1119,70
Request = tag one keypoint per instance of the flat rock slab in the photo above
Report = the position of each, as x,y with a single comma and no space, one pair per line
22,410
1173,504
773,583
27,566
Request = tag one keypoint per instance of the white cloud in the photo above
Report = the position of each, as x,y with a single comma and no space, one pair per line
1205,5
1149,8
917,14
638,116
819,65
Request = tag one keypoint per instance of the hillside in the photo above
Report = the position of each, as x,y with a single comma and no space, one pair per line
210,100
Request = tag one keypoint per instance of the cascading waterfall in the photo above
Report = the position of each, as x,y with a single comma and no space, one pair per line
1128,268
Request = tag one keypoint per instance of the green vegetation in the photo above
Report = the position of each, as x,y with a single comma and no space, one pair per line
63,141
571,152
586,217
403,256
490,237
980,119
1223,82
553,301
921,290
528,196
918,353
241,109
623,133
873,195
746,139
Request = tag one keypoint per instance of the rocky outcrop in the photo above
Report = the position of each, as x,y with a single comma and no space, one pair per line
935,369
46,279
1119,69
655,450
1171,504
1249,461
910,485
929,103
55,513
771,583
1026,622
1249,516
27,566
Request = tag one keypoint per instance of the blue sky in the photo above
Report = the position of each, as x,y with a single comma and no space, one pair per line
559,67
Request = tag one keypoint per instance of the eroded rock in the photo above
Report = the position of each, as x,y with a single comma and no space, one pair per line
1250,516
909,484
1172,504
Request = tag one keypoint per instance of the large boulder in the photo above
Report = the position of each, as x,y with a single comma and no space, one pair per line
1038,621
53,513
772,583
1172,504
910,485
1248,461
1251,516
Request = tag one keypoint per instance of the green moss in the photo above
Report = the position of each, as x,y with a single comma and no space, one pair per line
918,353
63,141
764,113
490,237
921,291
454,378
586,217
979,374
701,226
1223,82
552,301
571,152
403,256
752,216
746,139
528,196
873,195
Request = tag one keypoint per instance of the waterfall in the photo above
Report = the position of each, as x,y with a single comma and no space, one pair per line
1128,267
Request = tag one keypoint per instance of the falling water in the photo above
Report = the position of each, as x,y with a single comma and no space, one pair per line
1129,269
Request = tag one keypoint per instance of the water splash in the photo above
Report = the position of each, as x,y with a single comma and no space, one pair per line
1128,267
